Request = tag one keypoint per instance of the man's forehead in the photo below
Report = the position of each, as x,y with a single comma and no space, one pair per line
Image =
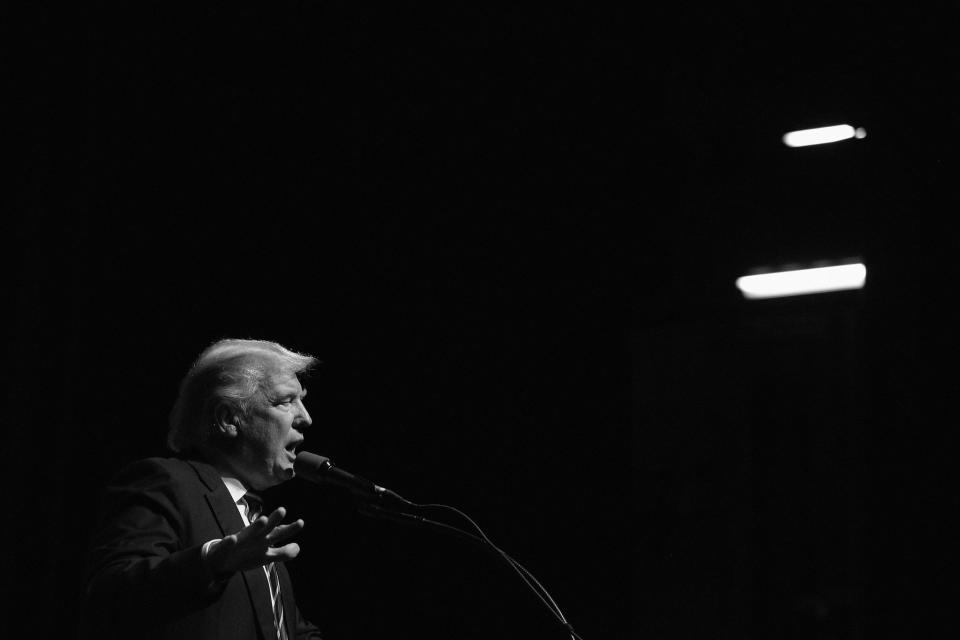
284,381
279,380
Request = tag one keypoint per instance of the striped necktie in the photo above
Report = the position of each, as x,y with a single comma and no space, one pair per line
254,507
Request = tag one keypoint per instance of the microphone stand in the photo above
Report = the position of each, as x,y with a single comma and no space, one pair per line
374,511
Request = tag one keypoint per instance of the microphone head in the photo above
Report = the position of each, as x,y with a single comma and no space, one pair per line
310,464
319,469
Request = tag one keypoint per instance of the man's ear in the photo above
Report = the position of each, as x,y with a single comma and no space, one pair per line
226,421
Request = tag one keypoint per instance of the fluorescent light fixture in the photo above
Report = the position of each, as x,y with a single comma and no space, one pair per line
803,281
823,135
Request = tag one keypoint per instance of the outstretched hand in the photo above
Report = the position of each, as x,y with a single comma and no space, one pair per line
259,543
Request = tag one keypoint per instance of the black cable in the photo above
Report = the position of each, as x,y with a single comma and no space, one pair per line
411,518
483,540
513,564
538,589
519,568
552,604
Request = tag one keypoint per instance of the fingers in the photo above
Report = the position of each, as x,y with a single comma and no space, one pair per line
284,553
267,523
284,532
262,526
275,518
260,542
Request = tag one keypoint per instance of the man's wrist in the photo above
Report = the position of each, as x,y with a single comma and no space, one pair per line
209,546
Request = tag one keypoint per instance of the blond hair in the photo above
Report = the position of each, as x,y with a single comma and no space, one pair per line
230,372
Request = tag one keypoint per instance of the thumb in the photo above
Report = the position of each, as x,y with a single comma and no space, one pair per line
227,543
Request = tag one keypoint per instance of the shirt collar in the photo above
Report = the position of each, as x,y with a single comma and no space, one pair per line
235,487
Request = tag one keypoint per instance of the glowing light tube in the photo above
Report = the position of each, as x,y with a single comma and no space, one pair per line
822,135
802,281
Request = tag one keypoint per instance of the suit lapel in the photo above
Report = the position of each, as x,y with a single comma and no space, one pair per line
228,519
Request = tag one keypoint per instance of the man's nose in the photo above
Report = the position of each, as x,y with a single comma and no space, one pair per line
303,420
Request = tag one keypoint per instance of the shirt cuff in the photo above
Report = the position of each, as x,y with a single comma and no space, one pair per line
204,552
206,548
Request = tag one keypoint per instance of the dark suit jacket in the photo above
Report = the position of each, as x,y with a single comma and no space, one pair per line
145,578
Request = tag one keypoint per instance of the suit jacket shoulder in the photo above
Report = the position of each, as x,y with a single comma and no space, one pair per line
146,577
144,565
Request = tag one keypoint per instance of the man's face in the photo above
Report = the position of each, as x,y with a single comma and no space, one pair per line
271,431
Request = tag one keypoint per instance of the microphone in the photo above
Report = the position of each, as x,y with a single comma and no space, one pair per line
320,470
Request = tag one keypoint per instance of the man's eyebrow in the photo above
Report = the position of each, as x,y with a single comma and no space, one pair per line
291,395
288,395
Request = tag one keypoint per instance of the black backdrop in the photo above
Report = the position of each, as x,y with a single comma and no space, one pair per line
511,237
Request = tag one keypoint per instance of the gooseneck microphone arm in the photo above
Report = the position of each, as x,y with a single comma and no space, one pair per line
377,502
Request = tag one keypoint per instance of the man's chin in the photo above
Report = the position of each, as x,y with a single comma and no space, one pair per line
284,472
280,474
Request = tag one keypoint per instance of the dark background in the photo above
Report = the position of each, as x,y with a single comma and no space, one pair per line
511,236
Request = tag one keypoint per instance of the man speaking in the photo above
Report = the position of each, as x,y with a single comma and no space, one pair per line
183,549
